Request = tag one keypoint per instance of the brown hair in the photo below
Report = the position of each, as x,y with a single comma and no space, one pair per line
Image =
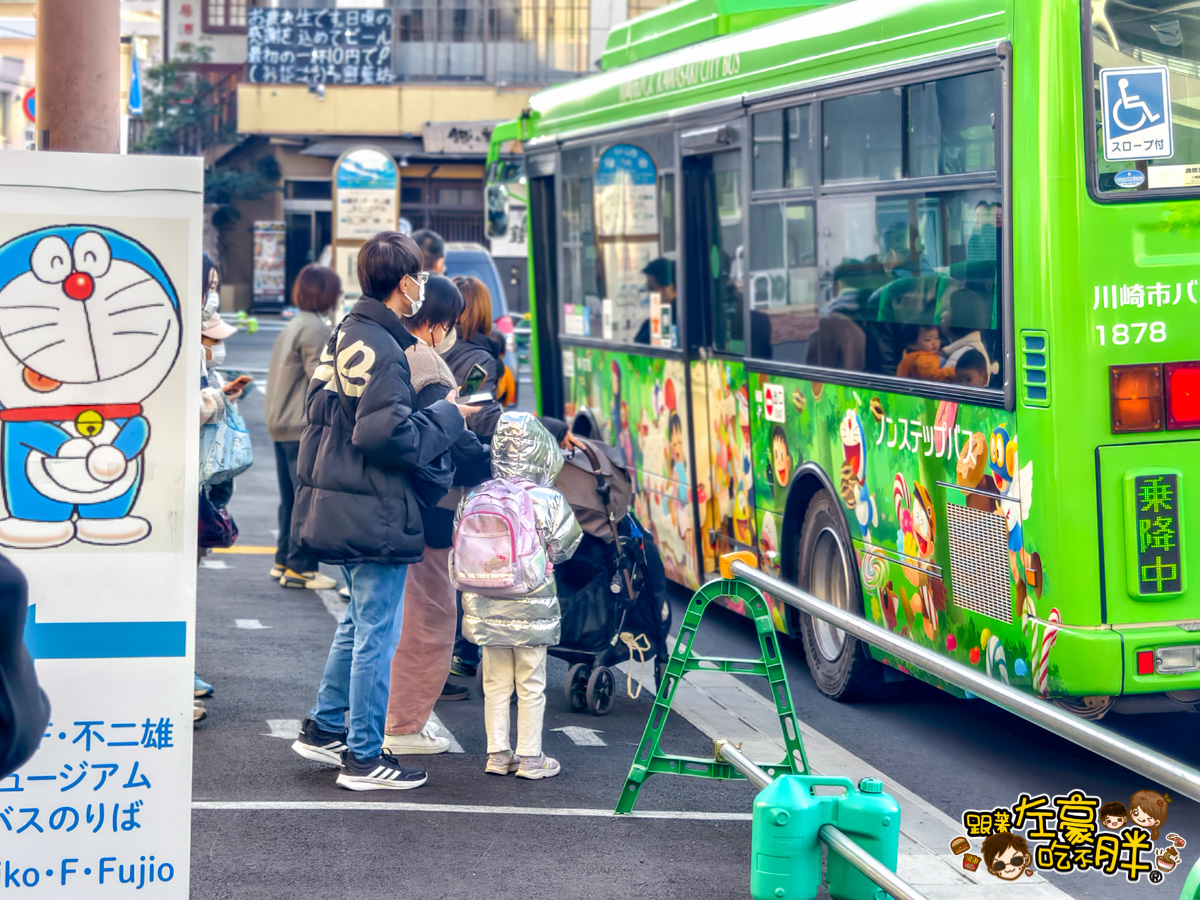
995,844
1114,810
1152,804
316,289
477,315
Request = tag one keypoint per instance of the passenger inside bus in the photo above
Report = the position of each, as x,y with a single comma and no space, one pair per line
660,279
971,369
922,356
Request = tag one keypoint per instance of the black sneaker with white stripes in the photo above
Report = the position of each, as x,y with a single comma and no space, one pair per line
383,773
319,745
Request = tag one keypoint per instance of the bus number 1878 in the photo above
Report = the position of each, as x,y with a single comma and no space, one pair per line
1132,333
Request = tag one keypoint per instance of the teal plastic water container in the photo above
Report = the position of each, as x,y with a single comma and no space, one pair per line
786,846
785,850
871,819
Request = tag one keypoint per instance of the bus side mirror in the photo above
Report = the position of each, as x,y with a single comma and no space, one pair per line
496,211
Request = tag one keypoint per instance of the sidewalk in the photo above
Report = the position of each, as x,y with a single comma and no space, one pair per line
722,706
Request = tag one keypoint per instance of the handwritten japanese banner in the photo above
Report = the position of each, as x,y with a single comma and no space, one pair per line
320,46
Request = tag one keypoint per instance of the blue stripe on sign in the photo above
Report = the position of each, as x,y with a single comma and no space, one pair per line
104,640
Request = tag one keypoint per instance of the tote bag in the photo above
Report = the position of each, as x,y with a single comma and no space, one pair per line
225,449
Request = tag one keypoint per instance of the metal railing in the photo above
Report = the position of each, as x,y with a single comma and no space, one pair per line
834,839
1129,753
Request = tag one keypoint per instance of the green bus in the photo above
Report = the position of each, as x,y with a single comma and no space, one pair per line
817,268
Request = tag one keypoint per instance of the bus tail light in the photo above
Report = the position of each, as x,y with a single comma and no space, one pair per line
1136,396
1145,662
1172,660
1183,394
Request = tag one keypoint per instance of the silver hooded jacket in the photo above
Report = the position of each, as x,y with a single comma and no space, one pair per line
523,448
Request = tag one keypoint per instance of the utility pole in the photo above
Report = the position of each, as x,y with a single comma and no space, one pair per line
79,75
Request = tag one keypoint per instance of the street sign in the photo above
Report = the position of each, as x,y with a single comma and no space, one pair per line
1137,113
29,104
100,513
366,201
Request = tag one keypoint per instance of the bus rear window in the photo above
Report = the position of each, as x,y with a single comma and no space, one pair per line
1146,95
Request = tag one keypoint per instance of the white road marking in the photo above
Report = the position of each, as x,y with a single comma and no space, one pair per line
283,728
334,604
369,806
209,563
443,731
722,706
582,737
250,624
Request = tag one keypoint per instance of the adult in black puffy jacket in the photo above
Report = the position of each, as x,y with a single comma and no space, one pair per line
476,345
364,453
24,709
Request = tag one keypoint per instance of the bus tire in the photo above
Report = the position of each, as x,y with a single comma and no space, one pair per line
841,665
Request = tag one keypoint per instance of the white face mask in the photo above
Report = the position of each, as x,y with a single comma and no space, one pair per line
212,303
416,304
449,339
216,355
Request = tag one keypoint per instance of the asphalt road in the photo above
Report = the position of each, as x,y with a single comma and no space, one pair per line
955,754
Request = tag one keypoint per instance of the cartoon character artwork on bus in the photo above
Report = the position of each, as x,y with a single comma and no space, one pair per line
1016,483
89,328
915,539
855,493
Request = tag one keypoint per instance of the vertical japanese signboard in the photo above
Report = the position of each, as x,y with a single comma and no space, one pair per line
99,487
270,256
366,201
1153,517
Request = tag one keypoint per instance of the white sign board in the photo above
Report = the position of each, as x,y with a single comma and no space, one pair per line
515,242
1137,113
101,497
774,408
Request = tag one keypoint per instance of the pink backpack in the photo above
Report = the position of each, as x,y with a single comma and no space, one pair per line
497,549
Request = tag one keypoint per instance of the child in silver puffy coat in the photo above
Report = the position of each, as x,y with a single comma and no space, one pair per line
514,631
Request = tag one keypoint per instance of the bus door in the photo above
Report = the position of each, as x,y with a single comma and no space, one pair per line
714,303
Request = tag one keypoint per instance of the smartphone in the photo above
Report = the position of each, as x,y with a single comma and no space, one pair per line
474,380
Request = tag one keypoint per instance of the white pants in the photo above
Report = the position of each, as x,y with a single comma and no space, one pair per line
522,668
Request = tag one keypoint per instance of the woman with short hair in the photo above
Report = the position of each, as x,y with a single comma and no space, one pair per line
297,351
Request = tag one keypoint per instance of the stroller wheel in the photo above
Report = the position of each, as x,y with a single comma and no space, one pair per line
575,687
601,690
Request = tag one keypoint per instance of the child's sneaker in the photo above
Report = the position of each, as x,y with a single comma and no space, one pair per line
502,763
540,766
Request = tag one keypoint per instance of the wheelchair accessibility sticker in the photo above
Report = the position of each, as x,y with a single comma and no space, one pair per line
1137,113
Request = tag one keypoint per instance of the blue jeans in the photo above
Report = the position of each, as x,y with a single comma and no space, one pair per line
354,690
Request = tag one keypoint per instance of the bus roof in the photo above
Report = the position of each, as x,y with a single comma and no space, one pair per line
858,36
687,22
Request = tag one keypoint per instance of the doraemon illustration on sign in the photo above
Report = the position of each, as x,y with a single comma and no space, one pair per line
89,328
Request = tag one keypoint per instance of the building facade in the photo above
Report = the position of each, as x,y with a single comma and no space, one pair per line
423,80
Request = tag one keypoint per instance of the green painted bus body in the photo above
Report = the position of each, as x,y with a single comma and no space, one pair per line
1066,247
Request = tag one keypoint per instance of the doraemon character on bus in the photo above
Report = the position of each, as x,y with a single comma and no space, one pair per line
89,328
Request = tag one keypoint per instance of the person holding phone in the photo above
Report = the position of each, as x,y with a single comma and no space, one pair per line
472,345
422,659
367,446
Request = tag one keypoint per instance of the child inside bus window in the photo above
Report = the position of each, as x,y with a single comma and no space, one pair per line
968,318
922,358
971,369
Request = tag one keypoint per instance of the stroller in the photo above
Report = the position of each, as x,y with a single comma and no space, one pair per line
615,583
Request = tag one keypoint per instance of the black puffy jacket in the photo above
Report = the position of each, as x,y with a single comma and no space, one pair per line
24,709
355,500
481,350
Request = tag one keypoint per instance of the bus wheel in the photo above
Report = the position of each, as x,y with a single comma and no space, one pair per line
840,664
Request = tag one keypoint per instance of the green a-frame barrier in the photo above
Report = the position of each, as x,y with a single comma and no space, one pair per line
649,760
